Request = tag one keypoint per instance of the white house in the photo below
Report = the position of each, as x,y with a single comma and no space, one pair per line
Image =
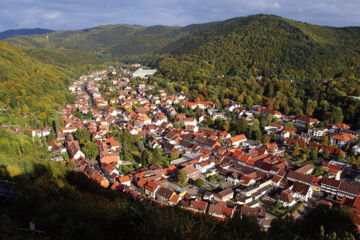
318,132
342,139
237,140
301,191
151,188
205,166
125,180
190,121
287,199
357,148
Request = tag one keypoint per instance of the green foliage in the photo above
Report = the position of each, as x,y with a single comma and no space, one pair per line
29,88
329,219
182,178
326,154
319,171
34,90
18,146
136,149
63,57
91,150
296,150
279,47
278,210
340,157
199,182
82,135
174,155
127,168
314,154
146,158
321,218
106,41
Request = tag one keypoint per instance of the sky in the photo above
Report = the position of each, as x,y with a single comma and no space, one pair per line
80,14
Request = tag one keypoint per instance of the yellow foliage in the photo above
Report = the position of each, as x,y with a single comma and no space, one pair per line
13,171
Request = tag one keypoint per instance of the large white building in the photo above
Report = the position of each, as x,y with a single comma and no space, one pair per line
142,73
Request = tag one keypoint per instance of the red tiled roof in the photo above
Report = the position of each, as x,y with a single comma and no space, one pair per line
151,186
237,138
345,137
124,179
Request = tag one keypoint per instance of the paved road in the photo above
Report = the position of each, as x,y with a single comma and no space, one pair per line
91,98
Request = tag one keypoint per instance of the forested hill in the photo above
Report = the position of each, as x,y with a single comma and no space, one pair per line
267,45
29,85
113,39
22,32
33,85
116,40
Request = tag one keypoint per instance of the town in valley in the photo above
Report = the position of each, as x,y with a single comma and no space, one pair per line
132,136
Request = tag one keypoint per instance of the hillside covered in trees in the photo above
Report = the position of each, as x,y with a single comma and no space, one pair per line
109,39
270,46
33,84
265,45
28,86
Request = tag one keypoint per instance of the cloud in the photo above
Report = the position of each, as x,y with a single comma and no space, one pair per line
78,14
52,15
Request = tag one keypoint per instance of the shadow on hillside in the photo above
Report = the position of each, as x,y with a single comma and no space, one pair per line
71,206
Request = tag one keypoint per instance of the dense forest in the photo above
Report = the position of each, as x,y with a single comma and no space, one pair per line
28,86
113,40
271,46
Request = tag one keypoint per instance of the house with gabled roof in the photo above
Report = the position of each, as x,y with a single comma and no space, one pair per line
141,183
205,166
224,195
329,185
191,172
336,127
236,141
287,199
258,212
195,206
110,158
125,180
301,191
342,139
300,177
151,188
110,170
165,194
348,190
174,199
95,175
74,150
305,120
220,210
